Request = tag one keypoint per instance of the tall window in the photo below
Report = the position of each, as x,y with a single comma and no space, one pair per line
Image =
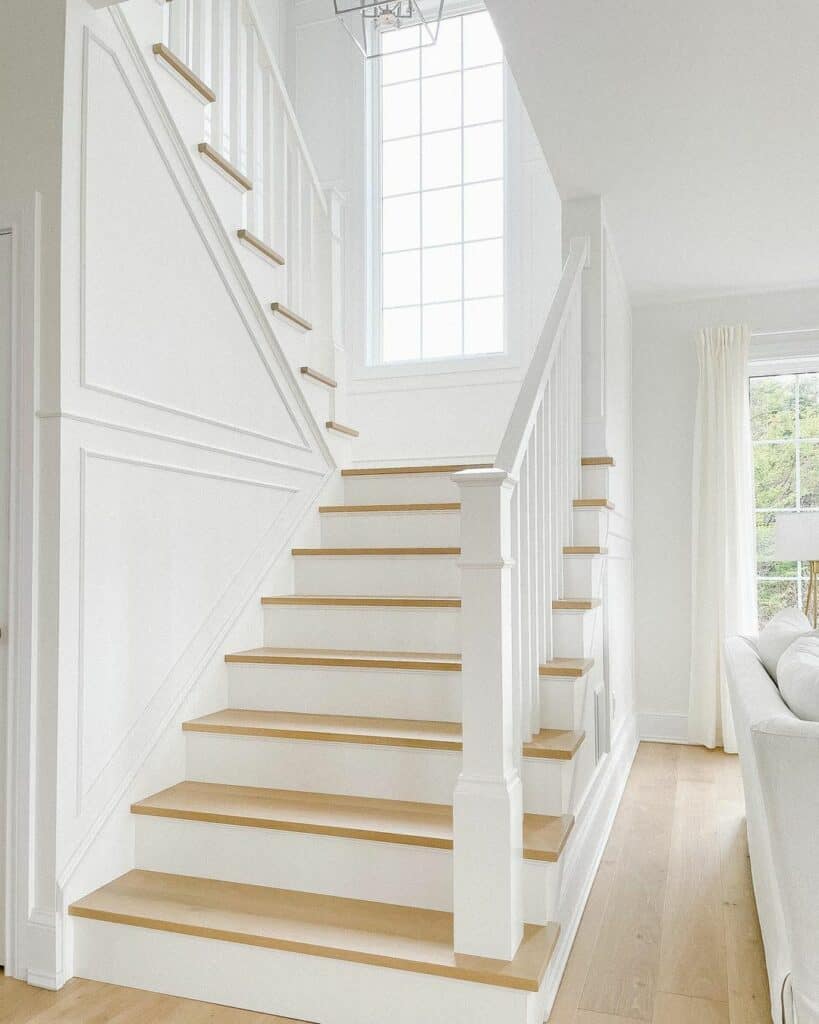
440,171
785,429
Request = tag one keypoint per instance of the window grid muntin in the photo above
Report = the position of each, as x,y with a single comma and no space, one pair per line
421,191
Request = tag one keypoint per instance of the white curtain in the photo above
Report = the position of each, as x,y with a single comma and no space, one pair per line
723,578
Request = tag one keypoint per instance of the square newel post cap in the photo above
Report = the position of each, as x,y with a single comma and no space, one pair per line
483,477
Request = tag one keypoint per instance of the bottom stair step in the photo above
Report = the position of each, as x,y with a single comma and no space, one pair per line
383,935
386,821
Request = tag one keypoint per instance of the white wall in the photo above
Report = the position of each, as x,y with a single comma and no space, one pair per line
31,98
432,415
665,385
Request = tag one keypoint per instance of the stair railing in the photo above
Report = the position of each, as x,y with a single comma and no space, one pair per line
252,125
515,520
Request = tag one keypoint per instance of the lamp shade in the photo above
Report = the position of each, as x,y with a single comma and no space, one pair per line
797,536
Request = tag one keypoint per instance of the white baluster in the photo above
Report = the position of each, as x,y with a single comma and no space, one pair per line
536,610
250,122
517,678
178,29
527,625
199,35
268,158
234,112
488,804
544,419
167,14
217,75
336,209
308,271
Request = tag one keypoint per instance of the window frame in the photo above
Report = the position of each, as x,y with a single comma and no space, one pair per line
775,354
369,363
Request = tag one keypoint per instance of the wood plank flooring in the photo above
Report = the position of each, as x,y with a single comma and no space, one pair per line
669,935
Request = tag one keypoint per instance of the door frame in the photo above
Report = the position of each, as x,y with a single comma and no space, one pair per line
21,219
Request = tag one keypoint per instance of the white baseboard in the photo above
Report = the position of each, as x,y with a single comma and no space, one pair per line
40,979
586,852
659,727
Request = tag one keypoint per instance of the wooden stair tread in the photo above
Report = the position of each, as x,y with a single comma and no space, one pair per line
597,460
409,470
340,428
403,822
322,378
430,506
225,166
576,604
288,314
380,934
566,667
324,600
186,73
262,248
413,661
555,744
593,503
374,551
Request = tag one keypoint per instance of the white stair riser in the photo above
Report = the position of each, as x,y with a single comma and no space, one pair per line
390,529
398,489
357,769
583,575
574,633
414,876
561,701
434,630
591,526
288,984
596,482
320,690
388,575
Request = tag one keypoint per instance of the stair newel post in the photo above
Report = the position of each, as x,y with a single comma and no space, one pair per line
488,799
336,202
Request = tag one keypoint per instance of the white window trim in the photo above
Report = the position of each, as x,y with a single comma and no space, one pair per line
773,354
449,371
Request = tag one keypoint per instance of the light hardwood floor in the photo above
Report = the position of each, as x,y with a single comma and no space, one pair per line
670,933
669,936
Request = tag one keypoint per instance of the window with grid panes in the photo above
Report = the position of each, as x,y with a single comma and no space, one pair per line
785,429
440,181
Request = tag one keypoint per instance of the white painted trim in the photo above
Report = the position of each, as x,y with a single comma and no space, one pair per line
302,445
368,373
661,727
225,253
586,848
128,428
23,222
183,692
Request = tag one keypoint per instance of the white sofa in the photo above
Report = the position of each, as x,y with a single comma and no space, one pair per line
779,755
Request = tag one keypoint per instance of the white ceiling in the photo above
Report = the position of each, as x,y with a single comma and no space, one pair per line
696,120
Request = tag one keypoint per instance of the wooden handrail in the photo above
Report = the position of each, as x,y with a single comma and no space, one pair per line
513,445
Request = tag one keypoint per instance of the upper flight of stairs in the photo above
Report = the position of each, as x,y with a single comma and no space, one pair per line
311,840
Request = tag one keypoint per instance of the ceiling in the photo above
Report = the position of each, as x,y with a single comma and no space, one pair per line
696,120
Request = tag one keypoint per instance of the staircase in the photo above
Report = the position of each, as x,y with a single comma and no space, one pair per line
313,832
377,826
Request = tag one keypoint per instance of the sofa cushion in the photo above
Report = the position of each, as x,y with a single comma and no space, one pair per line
785,627
798,677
